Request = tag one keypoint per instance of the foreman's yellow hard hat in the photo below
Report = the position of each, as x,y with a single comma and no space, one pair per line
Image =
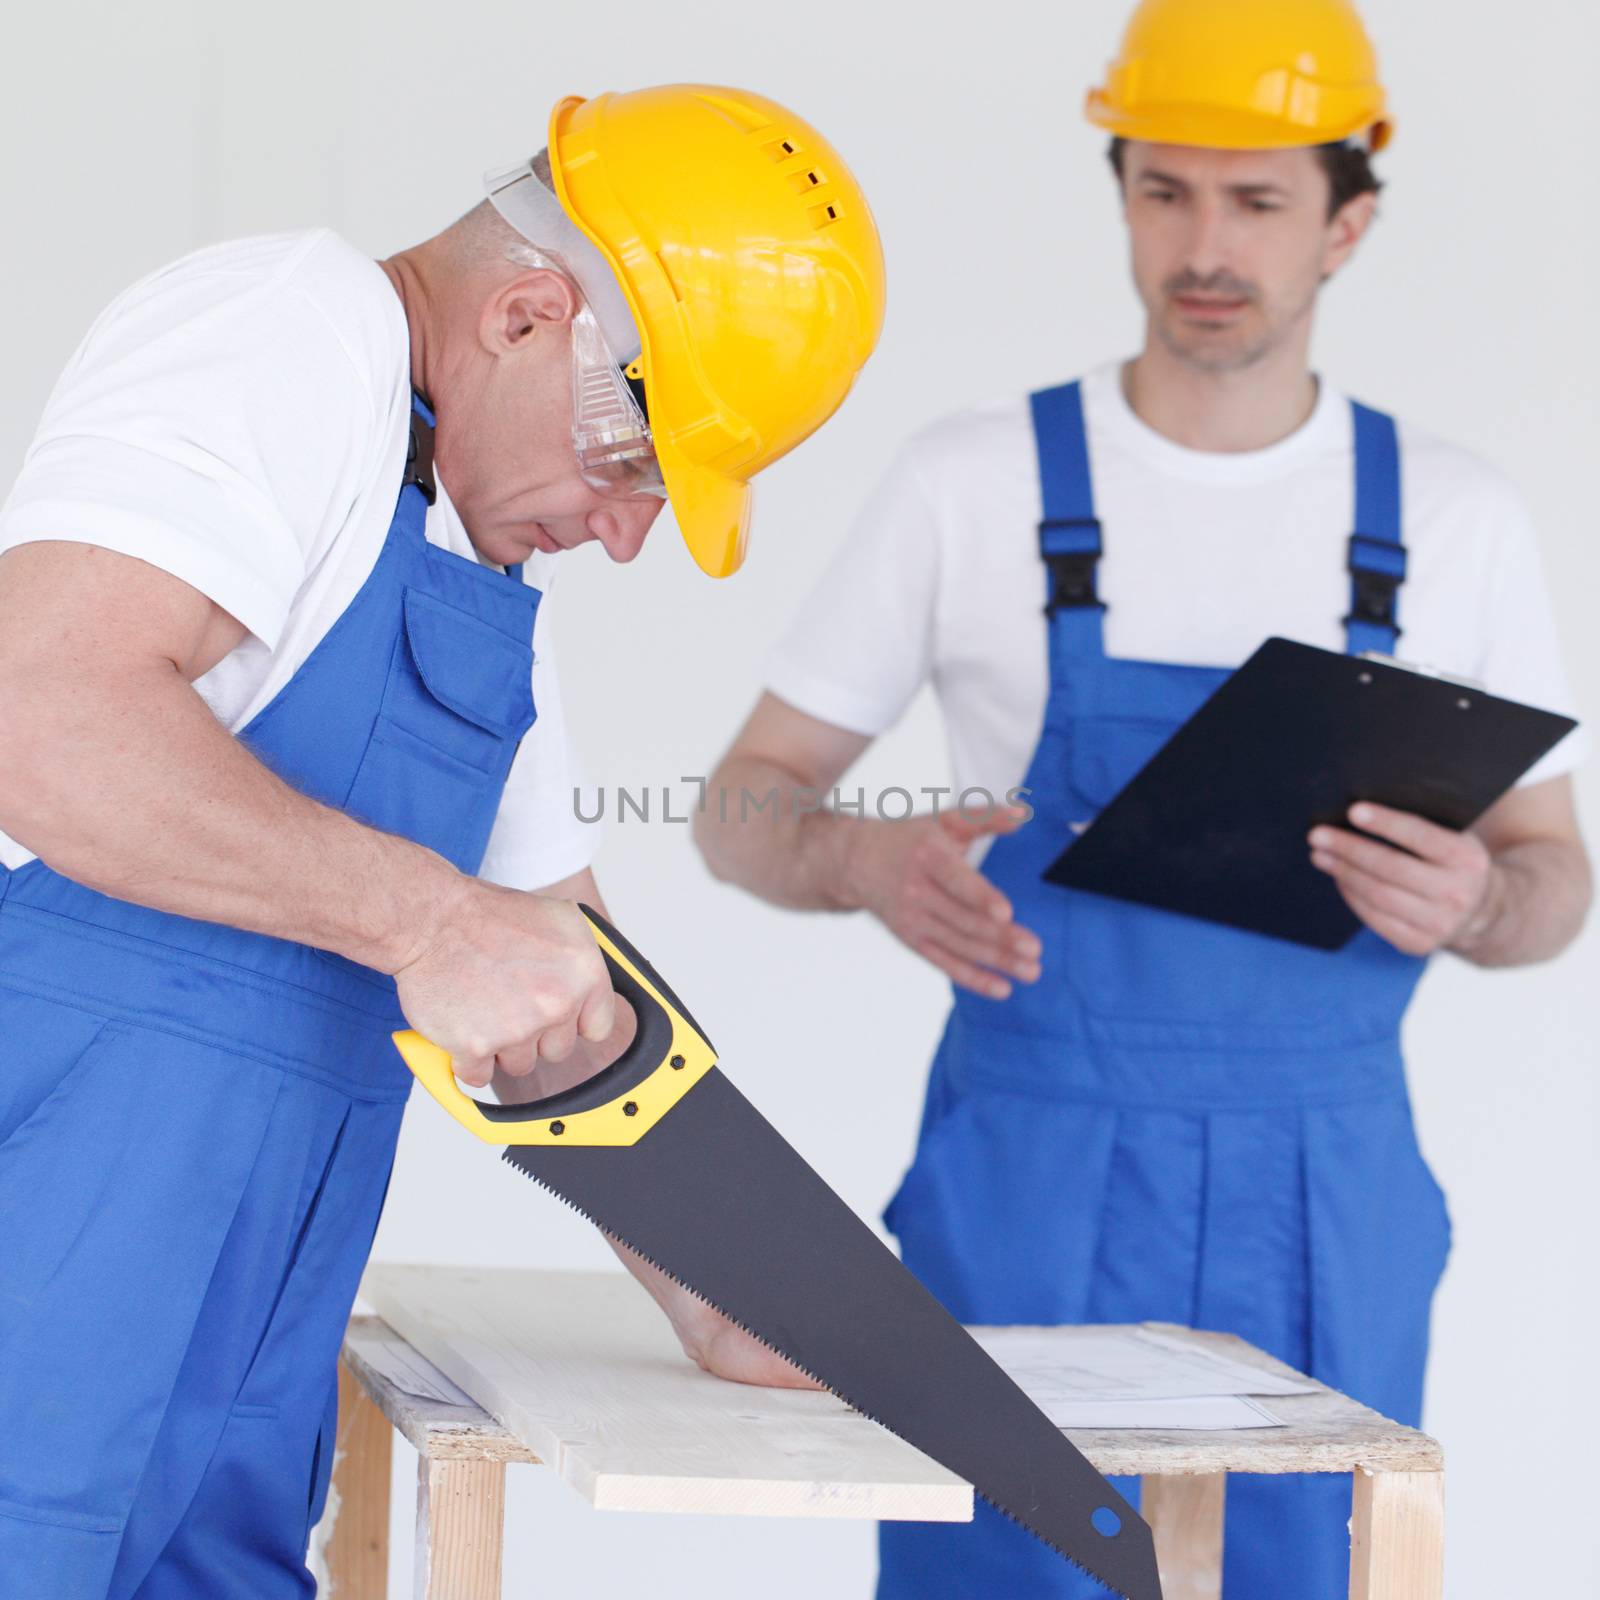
753,270
1243,75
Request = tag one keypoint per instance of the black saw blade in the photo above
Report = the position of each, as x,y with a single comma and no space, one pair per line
715,1197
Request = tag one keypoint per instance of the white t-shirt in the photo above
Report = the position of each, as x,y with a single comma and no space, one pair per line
240,420
1205,556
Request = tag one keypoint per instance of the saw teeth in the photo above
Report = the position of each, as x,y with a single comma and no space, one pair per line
688,1288
661,1267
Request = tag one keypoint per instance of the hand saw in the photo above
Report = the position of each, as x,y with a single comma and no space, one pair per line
662,1152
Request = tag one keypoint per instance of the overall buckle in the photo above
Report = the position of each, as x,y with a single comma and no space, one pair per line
1377,569
419,460
1071,550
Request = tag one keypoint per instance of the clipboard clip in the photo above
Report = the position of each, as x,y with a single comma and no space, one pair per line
1422,670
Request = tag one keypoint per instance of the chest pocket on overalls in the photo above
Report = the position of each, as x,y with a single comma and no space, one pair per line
1139,964
457,702
1106,752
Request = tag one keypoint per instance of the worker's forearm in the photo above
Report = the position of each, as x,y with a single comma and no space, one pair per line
1538,897
124,781
759,828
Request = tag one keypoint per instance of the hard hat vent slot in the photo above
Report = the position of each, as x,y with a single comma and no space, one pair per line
823,216
804,182
782,149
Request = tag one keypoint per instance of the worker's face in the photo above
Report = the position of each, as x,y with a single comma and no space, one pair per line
1230,247
504,442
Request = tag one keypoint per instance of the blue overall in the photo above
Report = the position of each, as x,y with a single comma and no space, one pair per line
1179,1121
197,1125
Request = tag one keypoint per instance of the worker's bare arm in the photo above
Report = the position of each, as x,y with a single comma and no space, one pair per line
1541,881
1514,889
114,772
708,1338
760,825
912,874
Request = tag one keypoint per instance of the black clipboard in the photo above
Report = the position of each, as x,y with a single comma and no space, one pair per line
1214,825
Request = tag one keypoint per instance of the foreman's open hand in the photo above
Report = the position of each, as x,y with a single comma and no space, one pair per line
913,874
1428,893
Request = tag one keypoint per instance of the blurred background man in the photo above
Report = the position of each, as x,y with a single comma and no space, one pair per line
1135,1115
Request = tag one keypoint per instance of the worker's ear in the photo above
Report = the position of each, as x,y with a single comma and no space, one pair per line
518,310
1346,229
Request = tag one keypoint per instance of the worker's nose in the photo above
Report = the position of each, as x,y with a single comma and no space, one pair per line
622,525
1208,243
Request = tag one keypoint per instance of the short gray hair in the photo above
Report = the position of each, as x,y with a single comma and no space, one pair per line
482,238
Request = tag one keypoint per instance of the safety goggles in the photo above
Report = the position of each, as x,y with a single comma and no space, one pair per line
610,429
610,423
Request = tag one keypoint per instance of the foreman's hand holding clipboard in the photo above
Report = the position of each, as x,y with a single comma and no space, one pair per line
1214,825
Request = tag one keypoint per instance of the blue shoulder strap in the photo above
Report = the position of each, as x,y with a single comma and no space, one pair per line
1070,541
1377,555
1069,534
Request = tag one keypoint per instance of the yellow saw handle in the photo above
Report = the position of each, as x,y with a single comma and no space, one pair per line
617,1106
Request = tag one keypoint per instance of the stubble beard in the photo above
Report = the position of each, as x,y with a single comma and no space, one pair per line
1215,356
1240,352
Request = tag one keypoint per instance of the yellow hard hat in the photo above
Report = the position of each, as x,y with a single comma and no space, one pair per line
1243,75
753,270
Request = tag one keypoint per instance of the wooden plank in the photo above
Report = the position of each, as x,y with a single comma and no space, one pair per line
461,1514
1325,1432
583,1368
1185,1515
1397,1536
357,1548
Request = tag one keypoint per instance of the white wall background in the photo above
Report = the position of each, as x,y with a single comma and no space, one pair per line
130,134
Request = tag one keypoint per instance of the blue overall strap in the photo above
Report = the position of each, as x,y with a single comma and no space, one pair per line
1069,534
1377,556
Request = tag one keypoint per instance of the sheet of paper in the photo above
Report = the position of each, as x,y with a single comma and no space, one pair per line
1114,1378
1213,1412
1244,1378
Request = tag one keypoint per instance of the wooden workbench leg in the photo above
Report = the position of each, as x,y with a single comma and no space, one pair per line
1185,1515
1397,1536
461,1513
357,1551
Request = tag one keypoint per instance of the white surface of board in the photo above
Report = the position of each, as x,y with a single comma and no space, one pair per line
585,1370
